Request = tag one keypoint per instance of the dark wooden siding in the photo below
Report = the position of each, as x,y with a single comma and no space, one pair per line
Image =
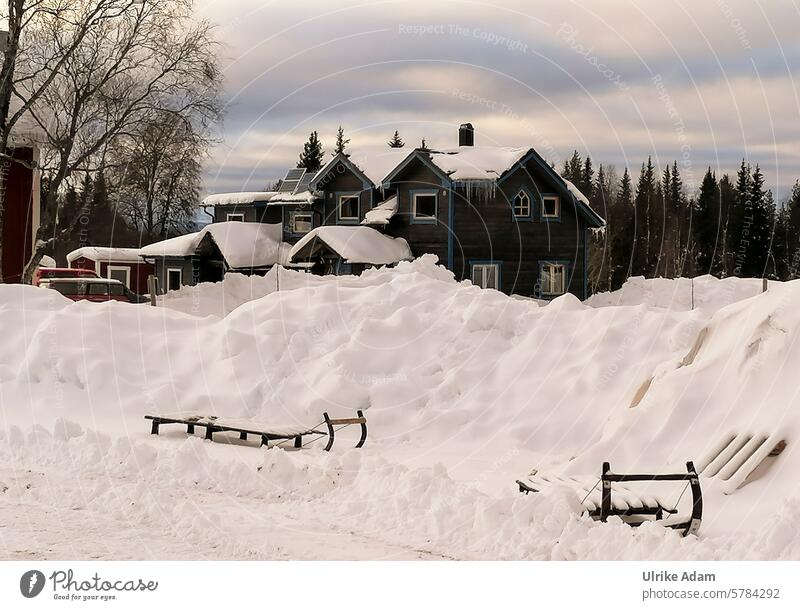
262,213
423,238
341,182
485,230
17,234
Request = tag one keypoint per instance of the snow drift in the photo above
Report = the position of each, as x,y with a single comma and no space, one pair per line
465,390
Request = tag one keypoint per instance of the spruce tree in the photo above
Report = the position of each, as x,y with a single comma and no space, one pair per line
600,262
646,242
586,182
727,199
396,141
739,220
623,229
311,157
792,227
574,169
707,224
341,142
759,240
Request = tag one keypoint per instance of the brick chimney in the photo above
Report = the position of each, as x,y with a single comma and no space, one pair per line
466,135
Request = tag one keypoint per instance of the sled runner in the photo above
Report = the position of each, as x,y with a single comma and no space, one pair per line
266,433
631,507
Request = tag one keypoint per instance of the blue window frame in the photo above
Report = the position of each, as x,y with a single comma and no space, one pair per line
486,274
553,278
348,208
300,221
424,206
550,207
522,205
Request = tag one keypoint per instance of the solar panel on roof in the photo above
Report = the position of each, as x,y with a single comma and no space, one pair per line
292,179
302,185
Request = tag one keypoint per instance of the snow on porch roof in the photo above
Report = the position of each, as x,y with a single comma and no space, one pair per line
381,214
354,244
100,253
238,198
242,244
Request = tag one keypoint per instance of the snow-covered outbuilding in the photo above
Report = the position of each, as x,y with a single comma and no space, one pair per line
343,250
205,256
123,264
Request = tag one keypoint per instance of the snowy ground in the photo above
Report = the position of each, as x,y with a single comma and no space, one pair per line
465,391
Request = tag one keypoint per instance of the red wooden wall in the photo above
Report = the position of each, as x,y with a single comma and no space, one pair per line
18,217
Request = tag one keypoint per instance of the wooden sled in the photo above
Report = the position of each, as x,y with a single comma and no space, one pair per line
266,433
631,507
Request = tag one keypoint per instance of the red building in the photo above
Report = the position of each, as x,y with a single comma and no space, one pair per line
123,264
21,216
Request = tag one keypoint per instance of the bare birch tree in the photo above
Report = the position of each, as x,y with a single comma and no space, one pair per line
142,59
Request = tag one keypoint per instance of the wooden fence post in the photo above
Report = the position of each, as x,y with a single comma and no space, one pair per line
152,286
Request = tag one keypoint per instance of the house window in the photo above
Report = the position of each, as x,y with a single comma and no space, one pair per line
486,275
522,205
123,274
551,206
552,279
300,222
423,207
174,277
238,217
348,207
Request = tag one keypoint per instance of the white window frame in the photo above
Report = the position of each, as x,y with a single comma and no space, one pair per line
482,267
180,277
127,271
547,272
555,198
425,217
339,215
293,222
234,217
527,214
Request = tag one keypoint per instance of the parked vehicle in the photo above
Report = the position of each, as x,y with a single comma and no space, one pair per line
44,274
97,290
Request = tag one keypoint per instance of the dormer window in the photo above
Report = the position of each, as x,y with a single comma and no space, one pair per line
522,205
423,206
348,208
551,207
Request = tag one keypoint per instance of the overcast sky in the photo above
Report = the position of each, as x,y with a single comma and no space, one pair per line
705,82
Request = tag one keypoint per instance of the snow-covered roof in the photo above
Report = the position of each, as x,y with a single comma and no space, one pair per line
576,192
477,162
463,163
289,198
373,162
381,214
354,244
242,244
101,253
265,197
238,198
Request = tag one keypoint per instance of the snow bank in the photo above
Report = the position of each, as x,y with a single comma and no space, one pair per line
706,292
465,391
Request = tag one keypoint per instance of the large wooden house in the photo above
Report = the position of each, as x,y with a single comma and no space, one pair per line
501,217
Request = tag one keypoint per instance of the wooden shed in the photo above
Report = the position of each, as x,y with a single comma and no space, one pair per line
123,264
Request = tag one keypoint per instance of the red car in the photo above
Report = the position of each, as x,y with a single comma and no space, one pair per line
48,273
95,289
